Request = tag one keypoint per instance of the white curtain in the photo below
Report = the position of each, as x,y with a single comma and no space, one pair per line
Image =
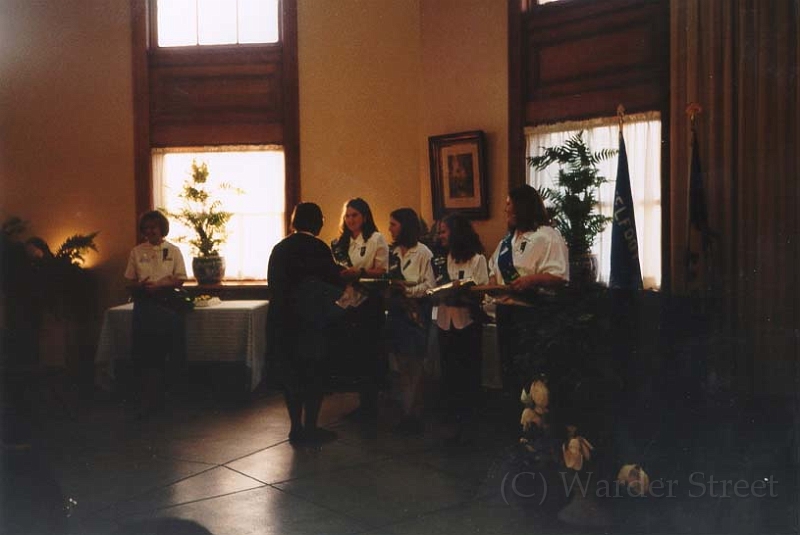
642,134
258,220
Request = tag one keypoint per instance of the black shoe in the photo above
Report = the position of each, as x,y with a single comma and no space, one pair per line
362,414
318,435
409,425
458,440
297,437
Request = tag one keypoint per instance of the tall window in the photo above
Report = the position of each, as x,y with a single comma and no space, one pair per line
216,22
643,143
234,107
258,207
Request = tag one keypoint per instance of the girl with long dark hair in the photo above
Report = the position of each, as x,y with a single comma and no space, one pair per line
363,253
459,328
360,248
408,315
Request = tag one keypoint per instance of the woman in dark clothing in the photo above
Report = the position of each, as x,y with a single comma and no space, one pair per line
305,283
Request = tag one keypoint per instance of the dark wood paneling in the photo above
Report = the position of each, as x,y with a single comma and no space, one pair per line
141,109
195,96
516,109
599,102
291,106
199,133
582,59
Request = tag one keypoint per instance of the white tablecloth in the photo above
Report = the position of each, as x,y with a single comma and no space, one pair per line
233,331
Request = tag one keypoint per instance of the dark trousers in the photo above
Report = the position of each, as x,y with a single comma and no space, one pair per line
460,351
356,350
158,335
515,325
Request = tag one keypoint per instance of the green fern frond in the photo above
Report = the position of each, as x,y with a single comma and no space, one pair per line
76,246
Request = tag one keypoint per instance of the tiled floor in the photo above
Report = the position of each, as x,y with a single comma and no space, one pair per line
211,466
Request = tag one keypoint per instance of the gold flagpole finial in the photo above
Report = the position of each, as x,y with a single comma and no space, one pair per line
693,110
621,115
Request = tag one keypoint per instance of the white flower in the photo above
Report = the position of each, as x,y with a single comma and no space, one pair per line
635,478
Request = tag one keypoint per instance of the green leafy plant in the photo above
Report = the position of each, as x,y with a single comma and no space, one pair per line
573,201
76,246
72,250
202,213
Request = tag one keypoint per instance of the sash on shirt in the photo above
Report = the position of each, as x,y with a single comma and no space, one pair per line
395,271
414,310
341,254
439,265
505,260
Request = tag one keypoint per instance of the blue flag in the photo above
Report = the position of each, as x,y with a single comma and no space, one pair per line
698,216
698,228
625,270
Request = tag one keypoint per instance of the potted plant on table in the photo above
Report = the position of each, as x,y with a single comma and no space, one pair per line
204,215
573,202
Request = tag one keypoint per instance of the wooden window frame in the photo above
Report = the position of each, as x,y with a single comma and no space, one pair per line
215,113
542,93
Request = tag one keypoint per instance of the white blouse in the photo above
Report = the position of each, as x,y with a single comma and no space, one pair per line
415,265
539,251
372,254
154,262
476,269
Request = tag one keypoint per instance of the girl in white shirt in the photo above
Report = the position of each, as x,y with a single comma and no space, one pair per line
533,254
360,248
363,253
407,321
459,332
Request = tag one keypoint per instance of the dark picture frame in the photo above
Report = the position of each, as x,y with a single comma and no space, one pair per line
458,174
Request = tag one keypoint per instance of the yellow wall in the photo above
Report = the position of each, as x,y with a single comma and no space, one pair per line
359,64
66,126
377,77
465,87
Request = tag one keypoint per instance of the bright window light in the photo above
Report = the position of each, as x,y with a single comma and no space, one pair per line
258,221
177,22
258,21
216,22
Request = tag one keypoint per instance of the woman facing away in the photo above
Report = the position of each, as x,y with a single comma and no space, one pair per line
363,253
408,315
305,283
155,266
457,319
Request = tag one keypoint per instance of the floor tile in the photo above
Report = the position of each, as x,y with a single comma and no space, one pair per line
211,483
265,510
382,492
284,462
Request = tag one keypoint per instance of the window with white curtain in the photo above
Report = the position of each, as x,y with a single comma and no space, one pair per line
642,134
258,220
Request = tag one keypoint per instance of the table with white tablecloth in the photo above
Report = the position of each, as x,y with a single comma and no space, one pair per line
231,331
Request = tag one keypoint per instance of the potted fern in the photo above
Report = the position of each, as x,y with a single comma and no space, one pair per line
205,216
573,202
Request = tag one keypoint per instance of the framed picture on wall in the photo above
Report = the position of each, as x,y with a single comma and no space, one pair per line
458,174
